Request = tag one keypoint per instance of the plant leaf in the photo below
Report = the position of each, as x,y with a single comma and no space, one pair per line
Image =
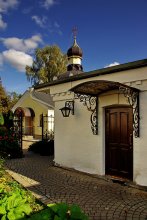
62,210
42,215
53,207
11,215
4,217
57,218
76,213
2,210
23,209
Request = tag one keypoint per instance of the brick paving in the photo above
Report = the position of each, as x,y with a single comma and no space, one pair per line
99,199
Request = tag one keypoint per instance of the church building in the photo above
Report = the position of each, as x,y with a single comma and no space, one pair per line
101,118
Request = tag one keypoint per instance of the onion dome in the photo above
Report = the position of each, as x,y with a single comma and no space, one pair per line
75,50
74,54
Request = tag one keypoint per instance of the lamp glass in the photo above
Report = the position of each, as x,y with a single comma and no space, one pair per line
65,111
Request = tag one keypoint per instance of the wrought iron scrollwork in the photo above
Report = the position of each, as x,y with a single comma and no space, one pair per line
133,100
91,102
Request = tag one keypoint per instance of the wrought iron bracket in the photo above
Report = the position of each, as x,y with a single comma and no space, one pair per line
133,100
91,102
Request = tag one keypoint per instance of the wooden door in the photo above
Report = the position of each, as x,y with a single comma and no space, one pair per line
28,126
119,142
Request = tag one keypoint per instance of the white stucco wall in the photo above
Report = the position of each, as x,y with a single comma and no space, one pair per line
75,144
140,145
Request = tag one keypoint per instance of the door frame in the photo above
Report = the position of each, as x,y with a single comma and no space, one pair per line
111,107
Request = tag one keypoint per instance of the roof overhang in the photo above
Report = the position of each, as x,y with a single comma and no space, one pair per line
97,87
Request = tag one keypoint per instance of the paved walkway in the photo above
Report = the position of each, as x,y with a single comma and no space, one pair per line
100,199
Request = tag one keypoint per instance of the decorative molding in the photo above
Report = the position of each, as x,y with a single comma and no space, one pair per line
133,100
91,102
61,94
139,82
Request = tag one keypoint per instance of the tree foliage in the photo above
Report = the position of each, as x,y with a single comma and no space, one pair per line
49,62
12,97
7,100
3,99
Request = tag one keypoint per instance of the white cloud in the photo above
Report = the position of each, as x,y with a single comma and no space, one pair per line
17,59
57,28
25,45
27,10
17,51
1,59
56,24
48,3
40,21
44,23
3,25
7,4
112,64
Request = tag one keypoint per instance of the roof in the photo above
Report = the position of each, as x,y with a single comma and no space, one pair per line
108,70
69,74
41,97
44,97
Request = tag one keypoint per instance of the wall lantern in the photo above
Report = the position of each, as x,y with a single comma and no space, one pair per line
69,107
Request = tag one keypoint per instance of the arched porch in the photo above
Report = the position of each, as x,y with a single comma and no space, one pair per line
28,115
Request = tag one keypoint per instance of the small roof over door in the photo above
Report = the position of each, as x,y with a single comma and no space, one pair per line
97,87
92,89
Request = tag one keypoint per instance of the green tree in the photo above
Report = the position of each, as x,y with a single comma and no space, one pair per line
12,97
3,99
49,62
7,99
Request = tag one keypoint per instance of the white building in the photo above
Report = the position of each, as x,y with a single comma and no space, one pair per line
107,132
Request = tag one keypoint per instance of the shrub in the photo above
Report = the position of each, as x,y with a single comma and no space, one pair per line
44,148
61,211
1,167
1,119
9,145
8,119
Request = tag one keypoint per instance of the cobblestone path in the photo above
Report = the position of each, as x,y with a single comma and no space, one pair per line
100,199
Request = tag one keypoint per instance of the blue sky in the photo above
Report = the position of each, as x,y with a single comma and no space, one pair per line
109,32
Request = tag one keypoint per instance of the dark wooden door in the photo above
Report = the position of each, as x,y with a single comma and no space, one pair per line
119,142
